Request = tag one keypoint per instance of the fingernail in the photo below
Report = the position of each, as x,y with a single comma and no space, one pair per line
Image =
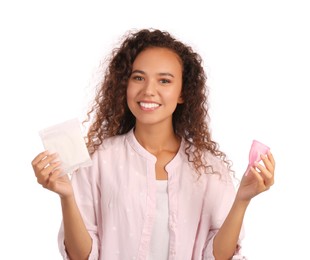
256,163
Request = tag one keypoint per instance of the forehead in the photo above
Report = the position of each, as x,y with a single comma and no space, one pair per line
158,57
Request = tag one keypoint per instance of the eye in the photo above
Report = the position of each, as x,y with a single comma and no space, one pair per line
138,78
165,81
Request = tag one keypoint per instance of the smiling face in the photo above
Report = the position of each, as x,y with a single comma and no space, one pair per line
154,87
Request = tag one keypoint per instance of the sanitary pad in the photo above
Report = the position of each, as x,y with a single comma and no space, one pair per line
67,141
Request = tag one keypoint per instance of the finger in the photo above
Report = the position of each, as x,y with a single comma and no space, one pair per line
44,175
50,168
261,185
39,157
54,177
268,163
55,174
265,174
46,161
258,177
271,159
58,173
43,180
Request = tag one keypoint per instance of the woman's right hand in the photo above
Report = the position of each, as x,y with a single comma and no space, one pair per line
49,174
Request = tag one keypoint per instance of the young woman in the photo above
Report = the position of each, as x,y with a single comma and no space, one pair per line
159,187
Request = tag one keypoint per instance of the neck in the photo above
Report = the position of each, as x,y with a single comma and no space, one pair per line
156,139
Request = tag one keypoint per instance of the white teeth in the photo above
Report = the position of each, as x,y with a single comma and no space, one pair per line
149,105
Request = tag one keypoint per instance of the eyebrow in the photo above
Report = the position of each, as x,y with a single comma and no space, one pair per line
160,74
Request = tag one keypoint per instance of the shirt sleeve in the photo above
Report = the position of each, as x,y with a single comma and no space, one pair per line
208,253
94,255
220,197
87,199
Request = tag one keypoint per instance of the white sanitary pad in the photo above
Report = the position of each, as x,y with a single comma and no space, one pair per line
67,141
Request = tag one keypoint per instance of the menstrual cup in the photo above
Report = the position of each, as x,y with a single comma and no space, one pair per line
257,149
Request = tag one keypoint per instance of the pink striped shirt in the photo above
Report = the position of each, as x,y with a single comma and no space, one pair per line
117,199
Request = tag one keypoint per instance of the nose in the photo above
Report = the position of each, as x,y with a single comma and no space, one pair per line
150,88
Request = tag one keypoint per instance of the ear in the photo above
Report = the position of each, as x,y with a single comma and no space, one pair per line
180,100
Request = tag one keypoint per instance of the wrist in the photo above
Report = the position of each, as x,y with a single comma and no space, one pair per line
67,199
242,203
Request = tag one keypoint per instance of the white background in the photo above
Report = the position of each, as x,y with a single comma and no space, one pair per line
257,58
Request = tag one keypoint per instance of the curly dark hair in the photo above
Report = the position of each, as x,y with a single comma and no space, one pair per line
111,115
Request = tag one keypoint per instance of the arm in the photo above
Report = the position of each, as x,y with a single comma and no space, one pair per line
258,179
225,241
77,239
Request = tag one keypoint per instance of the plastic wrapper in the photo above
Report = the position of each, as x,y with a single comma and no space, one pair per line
67,141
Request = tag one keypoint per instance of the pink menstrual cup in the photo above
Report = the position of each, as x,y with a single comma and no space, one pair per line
257,149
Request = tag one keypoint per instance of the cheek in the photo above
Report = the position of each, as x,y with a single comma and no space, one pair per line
130,95
174,95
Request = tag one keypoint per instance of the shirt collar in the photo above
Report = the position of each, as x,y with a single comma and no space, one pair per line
146,154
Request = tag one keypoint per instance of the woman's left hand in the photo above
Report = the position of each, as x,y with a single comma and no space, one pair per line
257,179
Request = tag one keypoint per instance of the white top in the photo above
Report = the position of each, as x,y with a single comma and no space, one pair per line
159,245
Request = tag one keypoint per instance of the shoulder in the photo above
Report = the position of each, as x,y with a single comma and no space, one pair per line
110,145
